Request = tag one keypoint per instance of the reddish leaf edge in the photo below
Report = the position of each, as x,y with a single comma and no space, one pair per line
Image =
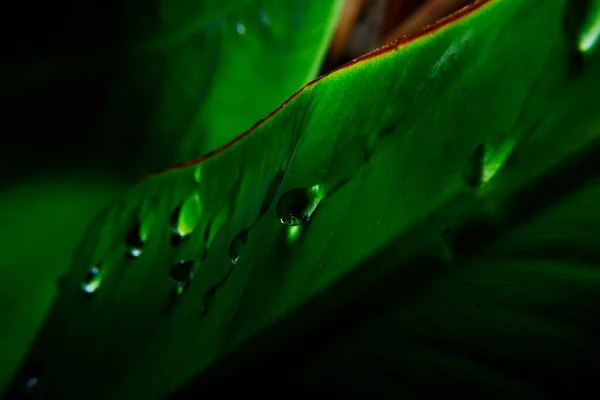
394,45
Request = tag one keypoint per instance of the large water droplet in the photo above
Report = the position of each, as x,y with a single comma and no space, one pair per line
296,206
582,24
237,245
92,279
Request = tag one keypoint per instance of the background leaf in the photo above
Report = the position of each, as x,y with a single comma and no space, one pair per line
391,169
169,81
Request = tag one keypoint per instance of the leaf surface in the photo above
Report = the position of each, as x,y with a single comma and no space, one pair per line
417,165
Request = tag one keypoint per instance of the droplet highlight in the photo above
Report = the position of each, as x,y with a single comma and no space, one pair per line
185,218
293,232
237,245
181,274
240,28
134,242
583,24
297,206
92,280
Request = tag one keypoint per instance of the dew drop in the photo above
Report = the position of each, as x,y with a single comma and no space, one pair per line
134,242
296,206
237,245
240,28
185,218
92,279
182,273
582,24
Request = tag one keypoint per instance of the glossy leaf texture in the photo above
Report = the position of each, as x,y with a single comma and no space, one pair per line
418,165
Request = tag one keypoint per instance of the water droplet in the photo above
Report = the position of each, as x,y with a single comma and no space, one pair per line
264,18
494,157
182,273
296,206
582,24
134,242
92,279
185,218
237,245
240,28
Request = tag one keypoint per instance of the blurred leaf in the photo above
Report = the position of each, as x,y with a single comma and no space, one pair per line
171,80
40,224
419,166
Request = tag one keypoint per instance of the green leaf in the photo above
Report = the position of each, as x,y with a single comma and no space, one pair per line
182,71
41,221
446,171
172,80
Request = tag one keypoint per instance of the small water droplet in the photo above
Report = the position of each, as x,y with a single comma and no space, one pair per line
182,273
92,279
237,245
184,218
180,277
240,28
296,206
134,242
264,18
